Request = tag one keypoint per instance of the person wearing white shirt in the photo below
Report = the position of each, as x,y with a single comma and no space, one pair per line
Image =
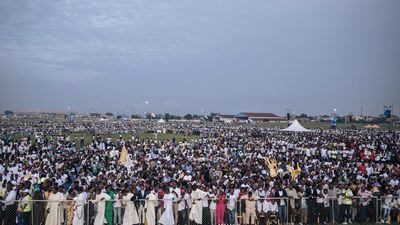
79,208
167,218
213,207
183,207
1,169
176,191
10,206
250,208
187,177
55,212
260,192
196,212
272,208
394,182
262,210
386,206
101,198
117,208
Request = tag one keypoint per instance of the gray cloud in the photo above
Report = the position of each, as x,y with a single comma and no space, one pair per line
226,56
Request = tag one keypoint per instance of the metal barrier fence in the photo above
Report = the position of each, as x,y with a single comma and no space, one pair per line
207,211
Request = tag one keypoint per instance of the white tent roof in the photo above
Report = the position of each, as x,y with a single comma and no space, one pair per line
296,127
161,121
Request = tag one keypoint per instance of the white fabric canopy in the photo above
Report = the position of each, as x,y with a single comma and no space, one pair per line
296,127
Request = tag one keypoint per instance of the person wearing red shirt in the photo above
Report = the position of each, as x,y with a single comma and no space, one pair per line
220,207
362,168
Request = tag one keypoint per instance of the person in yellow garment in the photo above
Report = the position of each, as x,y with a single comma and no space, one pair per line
26,206
347,201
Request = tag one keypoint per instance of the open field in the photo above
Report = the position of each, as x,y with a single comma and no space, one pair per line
178,137
89,137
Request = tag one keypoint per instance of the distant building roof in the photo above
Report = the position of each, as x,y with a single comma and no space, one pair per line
227,116
251,114
257,116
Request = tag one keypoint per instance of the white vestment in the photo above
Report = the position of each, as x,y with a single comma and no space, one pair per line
196,213
55,216
101,208
151,209
131,215
79,210
167,218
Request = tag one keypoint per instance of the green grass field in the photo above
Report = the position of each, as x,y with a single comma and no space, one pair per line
88,137
178,137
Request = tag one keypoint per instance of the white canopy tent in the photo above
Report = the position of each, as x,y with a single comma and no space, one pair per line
296,127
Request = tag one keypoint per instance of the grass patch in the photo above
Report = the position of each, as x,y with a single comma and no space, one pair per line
178,137
89,137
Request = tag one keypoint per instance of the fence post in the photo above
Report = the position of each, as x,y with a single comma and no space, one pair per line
332,201
239,212
287,210
32,211
377,209
87,212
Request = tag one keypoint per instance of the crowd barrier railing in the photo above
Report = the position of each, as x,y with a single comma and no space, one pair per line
211,211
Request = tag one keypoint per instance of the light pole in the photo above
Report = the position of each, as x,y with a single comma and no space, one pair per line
333,120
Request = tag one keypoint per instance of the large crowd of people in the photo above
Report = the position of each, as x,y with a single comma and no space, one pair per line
50,176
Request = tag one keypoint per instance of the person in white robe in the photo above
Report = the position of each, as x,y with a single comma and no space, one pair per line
150,207
101,199
53,208
130,216
167,218
196,213
79,209
62,196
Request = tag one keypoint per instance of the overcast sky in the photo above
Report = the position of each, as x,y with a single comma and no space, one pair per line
183,55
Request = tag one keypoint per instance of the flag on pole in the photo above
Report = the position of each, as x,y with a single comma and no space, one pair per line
122,157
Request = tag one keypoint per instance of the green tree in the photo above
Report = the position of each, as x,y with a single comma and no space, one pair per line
134,116
213,114
188,117
8,113
95,115
167,116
